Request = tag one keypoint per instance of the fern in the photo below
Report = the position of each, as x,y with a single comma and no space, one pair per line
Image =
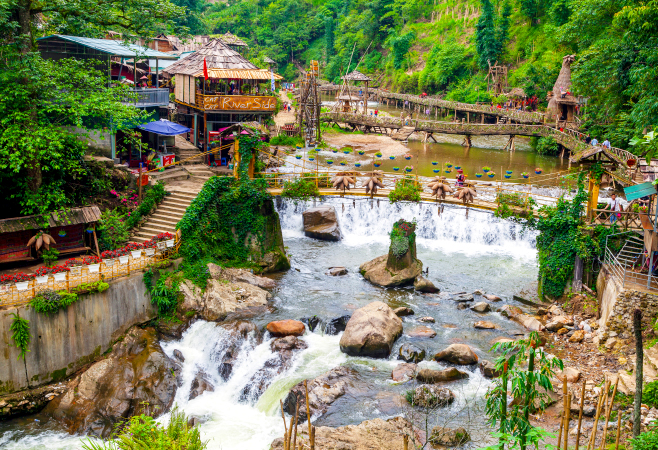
20,329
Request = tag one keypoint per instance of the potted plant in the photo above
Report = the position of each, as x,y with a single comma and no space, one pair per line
22,280
538,171
396,168
478,175
525,175
391,157
343,162
377,164
486,169
448,171
458,167
378,154
508,172
357,164
335,150
311,158
6,279
507,175
434,163
448,165
409,168
329,161
298,156
361,152
491,174
436,170
61,233
407,156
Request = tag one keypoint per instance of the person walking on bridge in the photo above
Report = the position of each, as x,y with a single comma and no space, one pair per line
594,142
606,143
615,206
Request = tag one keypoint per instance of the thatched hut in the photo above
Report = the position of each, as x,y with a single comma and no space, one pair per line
518,97
561,101
344,102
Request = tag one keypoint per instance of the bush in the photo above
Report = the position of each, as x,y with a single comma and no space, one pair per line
645,441
288,141
650,394
49,301
300,189
511,199
113,232
49,256
405,190
90,288
153,196
164,294
547,146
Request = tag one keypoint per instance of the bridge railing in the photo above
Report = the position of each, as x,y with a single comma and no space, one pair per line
624,219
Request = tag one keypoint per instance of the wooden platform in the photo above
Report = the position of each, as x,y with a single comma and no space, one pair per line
403,133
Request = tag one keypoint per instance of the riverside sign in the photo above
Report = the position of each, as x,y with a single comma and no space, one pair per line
237,103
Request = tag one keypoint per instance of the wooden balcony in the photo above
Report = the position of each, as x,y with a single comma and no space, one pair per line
236,103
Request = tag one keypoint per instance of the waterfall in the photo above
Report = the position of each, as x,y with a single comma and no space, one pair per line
363,220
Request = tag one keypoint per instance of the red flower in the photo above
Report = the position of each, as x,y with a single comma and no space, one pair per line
91,259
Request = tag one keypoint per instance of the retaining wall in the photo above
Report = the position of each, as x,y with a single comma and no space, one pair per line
66,341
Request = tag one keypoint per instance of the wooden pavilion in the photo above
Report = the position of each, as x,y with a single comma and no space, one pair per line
236,90
518,97
345,97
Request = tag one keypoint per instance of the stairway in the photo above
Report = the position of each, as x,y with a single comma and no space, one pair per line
190,153
200,172
175,173
403,133
167,214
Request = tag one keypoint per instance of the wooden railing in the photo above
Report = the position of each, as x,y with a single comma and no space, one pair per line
625,220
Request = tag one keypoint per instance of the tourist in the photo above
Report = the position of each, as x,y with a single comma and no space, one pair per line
615,206
460,178
376,112
594,142
606,143
588,139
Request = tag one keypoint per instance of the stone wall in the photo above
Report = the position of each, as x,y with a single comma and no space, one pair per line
63,343
616,305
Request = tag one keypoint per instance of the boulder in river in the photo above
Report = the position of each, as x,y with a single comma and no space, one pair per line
371,331
439,376
448,437
336,325
517,315
492,298
422,284
484,325
115,388
411,353
337,271
401,266
283,328
310,322
463,297
239,276
321,223
481,307
200,384
426,319
431,396
488,369
322,392
403,311
460,354
404,371
421,331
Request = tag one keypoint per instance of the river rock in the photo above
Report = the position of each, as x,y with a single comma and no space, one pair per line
283,328
238,332
403,311
200,384
572,374
426,319
371,331
239,276
421,331
422,284
431,396
509,311
337,271
179,355
115,388
457,354
488,369
377,272
404,371
492,298
221,298
448,437
438,376
310,322
336,325
484,325
322,392
481,307
321,223
577,336
517,315
376,434
558,322
411,353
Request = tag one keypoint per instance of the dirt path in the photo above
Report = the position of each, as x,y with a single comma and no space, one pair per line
370,143
285,117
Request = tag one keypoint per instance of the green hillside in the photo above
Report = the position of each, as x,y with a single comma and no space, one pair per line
439,47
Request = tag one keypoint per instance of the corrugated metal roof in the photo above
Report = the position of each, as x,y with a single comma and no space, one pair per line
87,214
112,46
255,74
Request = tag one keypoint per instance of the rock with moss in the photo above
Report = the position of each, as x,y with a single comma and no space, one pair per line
448,437
431,396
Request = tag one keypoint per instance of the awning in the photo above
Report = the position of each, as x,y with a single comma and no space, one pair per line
164,127
240,74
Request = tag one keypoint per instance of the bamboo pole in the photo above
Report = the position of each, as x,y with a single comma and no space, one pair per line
405,441
311,438
602,399
567,417
580,414
559,436
285,427
294,438
618,430
608,411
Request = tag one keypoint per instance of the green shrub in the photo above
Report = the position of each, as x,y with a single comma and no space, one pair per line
287,141
645,441
49,301
405,190
144,432
113,231
300,189
511,199
49,256
547,146
650,394
90,288
20,329
153,196
164,294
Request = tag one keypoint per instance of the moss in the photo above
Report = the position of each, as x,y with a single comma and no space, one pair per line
58,375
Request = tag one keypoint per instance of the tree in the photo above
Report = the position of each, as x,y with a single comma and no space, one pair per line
41,98
328,37
401,45
486,42
502,30
191,18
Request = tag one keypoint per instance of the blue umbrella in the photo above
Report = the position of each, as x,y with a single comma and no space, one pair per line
164,127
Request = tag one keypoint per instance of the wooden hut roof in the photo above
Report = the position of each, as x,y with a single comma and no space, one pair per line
87,214
356,76
563,81
231,39
190,45
351,98
591,151
516,92
268,60
254,74
218,55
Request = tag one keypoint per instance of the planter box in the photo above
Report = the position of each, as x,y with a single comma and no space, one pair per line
75,271
123,259
93,268
42,280
60,276
150,251
136,254
109,262
170,243
22,286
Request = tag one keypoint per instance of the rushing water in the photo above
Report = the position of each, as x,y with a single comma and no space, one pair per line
462,254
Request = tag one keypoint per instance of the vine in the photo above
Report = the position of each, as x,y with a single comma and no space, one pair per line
164,293
20,329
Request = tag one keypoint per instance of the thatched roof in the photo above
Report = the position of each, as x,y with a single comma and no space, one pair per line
231,39
516,92
218,55
74,216
267,60
356,76
256,74
563,82
351,98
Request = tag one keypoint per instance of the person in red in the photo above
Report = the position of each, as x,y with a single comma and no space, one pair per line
460,178
376,112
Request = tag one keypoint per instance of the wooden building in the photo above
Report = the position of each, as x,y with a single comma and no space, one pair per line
562,104
348,99
236,90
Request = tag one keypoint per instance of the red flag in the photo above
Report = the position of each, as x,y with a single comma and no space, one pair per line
205,69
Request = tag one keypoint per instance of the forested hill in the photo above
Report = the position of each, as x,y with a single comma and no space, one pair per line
443,46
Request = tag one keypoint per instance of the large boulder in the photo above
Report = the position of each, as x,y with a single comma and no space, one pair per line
283,328
321,223
411,353
422,284
371,331
460,354
221,298
239,276
558,322
446,437
237,333
517,315
430,396
200,384
488,369
439,376
134,374
322,392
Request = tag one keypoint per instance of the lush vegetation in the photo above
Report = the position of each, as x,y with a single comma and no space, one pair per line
402,237
90,288
144,432
49,301
300,189
645,441
20,334
650,394
406,190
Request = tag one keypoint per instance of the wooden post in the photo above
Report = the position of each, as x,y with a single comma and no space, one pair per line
607,414
405,442
580,414
294,438
98,252
285,428
236,157
567,417
308,415
365,101
602,400
639,361
618,430
559,435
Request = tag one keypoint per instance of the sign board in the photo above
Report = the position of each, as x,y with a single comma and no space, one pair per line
639,191
238,103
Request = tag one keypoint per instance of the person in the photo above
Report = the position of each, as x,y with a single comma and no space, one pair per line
460,178
588,139
615,205
606,143
376,112
594,142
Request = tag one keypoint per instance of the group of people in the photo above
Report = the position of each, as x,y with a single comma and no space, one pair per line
594,142
375,112
287,107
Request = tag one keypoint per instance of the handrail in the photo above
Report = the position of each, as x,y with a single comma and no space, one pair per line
215,150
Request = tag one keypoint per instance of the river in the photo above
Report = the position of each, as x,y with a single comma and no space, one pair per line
462,254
